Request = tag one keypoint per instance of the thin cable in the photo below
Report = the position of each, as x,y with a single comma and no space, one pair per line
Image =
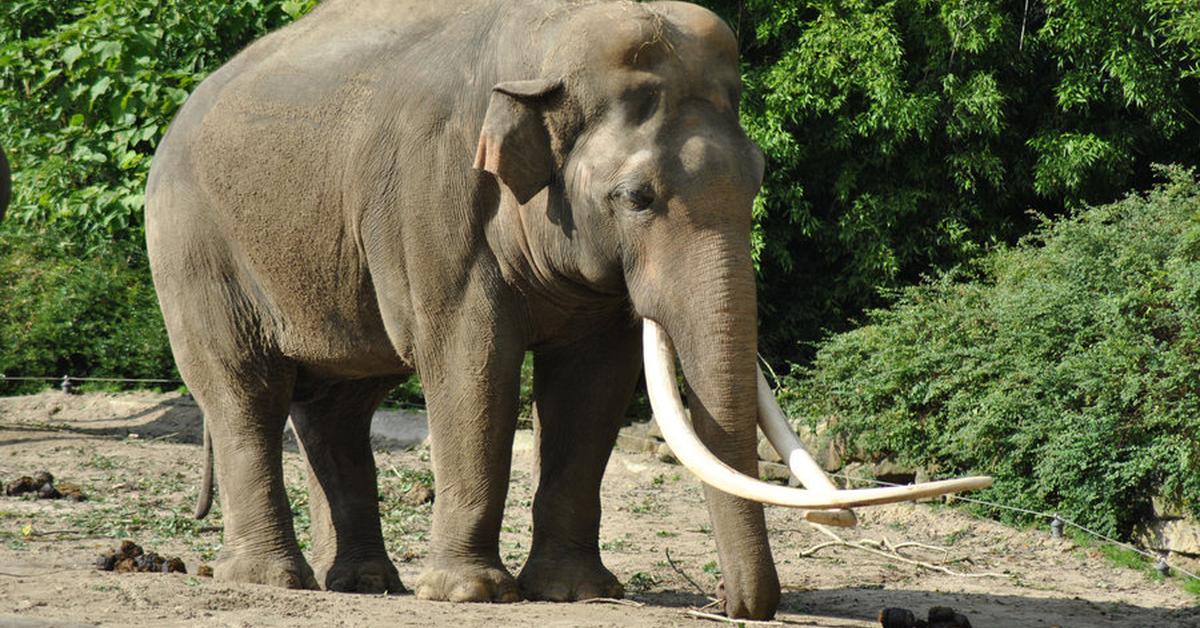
89,379
1046,515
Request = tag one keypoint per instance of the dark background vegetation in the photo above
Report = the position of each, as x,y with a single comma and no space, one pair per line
910,143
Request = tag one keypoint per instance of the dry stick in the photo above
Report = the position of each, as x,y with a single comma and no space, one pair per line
679,571
739,622
839,541
611,600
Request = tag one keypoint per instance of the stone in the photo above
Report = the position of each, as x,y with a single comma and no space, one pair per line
1166,508
1180,536
636,444
665,454
773,471
766,451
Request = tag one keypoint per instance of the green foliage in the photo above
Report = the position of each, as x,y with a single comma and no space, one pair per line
65,311
88,88
1066,366
908,135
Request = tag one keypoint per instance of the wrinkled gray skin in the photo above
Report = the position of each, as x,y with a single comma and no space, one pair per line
317,232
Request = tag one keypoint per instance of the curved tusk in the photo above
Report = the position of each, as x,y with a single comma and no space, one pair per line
669,412
774,425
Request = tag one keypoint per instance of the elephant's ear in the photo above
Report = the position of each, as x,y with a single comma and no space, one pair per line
514,144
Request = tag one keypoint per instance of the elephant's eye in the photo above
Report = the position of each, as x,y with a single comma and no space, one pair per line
632,197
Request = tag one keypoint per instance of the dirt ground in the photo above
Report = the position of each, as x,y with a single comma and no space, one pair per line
137,457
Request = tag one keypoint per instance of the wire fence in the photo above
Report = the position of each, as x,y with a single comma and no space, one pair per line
1056,522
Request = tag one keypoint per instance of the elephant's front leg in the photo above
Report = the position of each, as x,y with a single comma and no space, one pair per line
581,392
472,389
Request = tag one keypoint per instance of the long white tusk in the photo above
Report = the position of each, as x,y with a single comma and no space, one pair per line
775,426
669,412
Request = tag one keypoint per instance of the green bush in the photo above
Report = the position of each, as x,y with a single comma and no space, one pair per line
87,89
905,136
1067,366
66,311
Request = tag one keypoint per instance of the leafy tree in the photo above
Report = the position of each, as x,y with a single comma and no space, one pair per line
87,89
907,135
1066,366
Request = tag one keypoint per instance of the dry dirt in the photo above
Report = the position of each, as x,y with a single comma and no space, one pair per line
137,457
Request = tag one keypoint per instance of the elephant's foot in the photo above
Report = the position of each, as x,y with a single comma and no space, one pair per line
467,582
568,580
286,572
369,575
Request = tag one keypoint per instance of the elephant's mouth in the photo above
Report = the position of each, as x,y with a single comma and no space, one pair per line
825,502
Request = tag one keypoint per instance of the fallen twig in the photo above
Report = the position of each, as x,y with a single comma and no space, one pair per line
611,600
872,546
738,622
684,575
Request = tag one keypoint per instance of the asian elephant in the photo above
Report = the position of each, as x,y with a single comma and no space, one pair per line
396,186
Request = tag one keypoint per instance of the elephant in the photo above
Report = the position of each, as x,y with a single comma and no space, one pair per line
389,187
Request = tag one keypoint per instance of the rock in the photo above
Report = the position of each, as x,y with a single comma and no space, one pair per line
43,477
773,471
174,565
636,444
1180,536
1166,508
204,571
665,454
893,473
47,491
766,451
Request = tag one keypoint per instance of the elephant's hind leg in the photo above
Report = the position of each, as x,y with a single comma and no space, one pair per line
334,431
245,410
581,392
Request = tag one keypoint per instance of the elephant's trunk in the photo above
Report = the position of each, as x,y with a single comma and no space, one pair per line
712,320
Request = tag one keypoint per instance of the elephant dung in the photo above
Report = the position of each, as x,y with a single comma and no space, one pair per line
131,558
42,485
939,617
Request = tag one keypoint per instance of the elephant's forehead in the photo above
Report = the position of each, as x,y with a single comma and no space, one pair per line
644,36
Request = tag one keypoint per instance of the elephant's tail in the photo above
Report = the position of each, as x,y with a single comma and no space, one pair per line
204,500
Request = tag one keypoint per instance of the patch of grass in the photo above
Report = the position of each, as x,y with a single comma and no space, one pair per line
666,534
648,505
713,569
103,463
1127,558
957,535
641,582
616,545
1191,585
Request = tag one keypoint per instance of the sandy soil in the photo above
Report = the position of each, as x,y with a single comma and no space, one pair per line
137,457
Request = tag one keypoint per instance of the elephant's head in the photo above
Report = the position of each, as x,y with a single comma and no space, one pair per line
631,128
